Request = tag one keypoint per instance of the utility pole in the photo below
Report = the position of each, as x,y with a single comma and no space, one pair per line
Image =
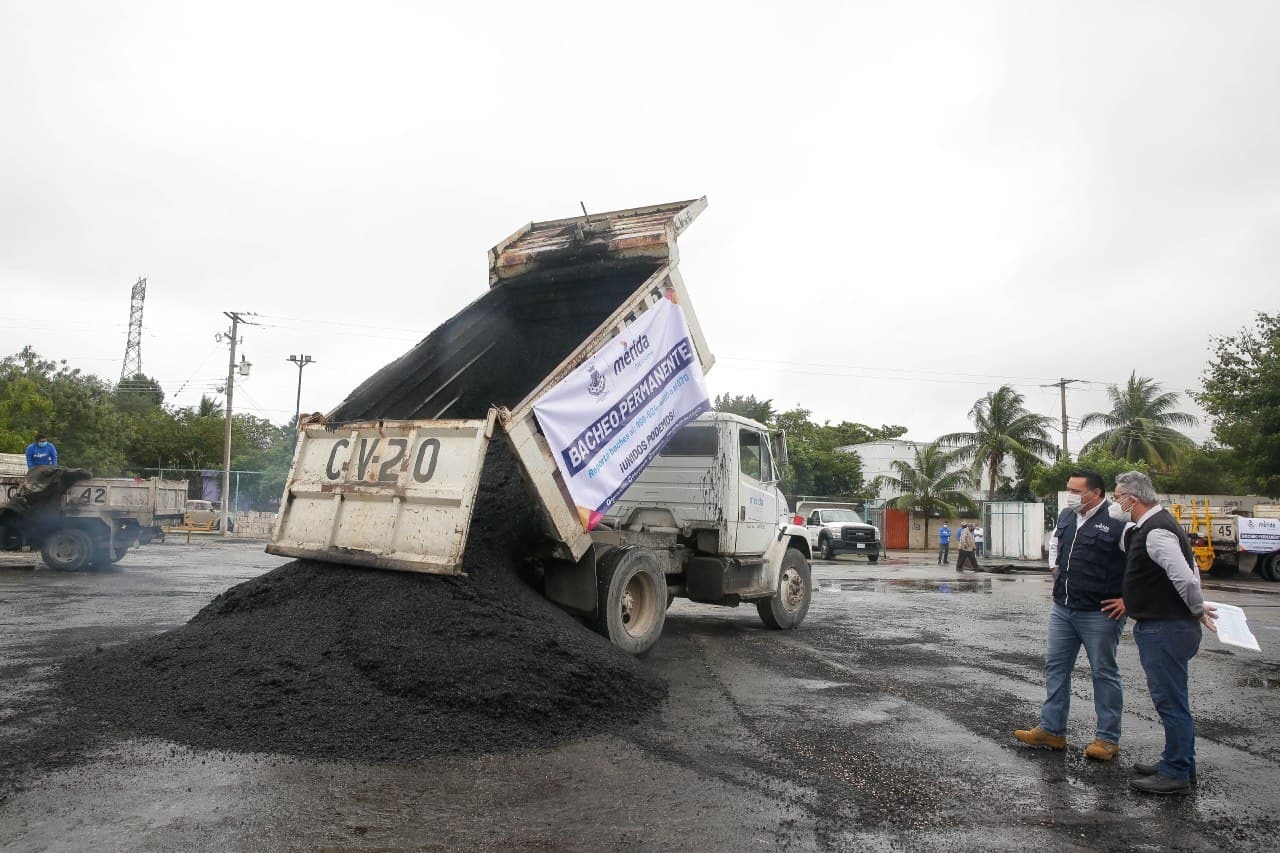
233,336
302,361
1061,385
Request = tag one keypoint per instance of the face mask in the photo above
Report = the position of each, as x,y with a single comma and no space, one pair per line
1114,510
1073,501
41,443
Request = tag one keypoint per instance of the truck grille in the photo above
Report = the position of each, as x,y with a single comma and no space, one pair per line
857,534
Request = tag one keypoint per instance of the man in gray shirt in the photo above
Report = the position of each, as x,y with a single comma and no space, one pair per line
1162,595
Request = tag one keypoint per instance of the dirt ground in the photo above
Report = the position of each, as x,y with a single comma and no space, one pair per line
883,723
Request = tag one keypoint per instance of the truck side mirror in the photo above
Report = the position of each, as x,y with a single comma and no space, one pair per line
781,442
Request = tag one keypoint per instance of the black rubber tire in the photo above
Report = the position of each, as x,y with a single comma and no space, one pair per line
631,597
1224,569
828,551
103,556
67,549
789,604
1267,568
873,558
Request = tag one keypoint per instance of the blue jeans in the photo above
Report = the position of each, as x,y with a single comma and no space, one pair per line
1099,634
1165,646
943,548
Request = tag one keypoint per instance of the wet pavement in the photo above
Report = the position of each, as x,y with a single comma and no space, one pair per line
883,723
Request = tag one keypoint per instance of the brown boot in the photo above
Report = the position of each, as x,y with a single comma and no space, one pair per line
1102,750
1039,737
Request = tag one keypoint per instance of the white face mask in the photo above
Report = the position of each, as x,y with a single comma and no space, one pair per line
1073,501
1114,510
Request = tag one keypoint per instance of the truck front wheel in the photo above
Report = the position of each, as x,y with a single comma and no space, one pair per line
787,607
631,603
67,549
828,550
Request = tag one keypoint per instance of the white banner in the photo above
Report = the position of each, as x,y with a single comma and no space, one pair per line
611,416
1259,535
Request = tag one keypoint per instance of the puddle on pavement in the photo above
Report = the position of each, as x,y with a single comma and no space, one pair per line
1258,681
946,585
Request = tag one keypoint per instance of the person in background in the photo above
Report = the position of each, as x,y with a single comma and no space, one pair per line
41,452
1087,556
979,536
966,549
1162,595
944,544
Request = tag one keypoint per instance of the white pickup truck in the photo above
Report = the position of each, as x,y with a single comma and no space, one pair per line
836,528
390,478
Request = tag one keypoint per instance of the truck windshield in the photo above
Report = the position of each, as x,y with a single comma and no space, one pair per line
830,515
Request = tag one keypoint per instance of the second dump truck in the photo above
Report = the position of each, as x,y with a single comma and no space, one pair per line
76,522
388,480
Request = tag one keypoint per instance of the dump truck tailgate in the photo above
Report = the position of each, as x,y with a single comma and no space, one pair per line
388,495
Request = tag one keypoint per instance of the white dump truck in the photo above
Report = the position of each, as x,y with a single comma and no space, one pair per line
1226,543
389,478
76,522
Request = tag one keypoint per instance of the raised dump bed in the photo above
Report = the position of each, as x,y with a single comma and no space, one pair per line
390,478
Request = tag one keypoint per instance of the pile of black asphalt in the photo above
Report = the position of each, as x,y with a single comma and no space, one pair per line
331,661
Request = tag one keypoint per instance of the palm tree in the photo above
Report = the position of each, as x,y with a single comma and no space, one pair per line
209,406
1140,424
1003,429
930,483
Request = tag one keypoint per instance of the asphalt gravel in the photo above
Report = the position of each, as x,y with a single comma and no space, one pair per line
322,660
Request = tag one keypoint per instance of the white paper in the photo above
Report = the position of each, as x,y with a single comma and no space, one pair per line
1233,627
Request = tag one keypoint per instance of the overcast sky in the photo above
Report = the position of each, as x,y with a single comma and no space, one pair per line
909,204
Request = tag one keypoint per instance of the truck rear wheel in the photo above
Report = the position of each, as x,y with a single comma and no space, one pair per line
1267,567
67,549
631,599
787,607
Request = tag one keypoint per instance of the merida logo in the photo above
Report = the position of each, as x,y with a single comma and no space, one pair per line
630,354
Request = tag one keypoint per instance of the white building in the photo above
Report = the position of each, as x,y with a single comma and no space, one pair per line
878,458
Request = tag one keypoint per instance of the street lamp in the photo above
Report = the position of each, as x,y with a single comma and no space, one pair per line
302,361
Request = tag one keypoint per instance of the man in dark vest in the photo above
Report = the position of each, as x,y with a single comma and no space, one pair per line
1162,595
1086,553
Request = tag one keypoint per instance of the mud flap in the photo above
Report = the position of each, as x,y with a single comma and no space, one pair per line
572,585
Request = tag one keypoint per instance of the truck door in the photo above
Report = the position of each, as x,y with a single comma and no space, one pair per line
758,499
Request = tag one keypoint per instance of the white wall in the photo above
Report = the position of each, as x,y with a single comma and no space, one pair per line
878,457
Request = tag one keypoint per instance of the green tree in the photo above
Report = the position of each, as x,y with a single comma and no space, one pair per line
1047,480
1140,425
1241,393
138,394
81,419
1207,470
210,407
815,467
745,405
931,483
1003,428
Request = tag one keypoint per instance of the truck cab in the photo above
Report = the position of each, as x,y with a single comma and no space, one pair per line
716,482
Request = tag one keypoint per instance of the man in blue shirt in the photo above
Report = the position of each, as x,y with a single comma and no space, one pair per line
944,544
41,452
